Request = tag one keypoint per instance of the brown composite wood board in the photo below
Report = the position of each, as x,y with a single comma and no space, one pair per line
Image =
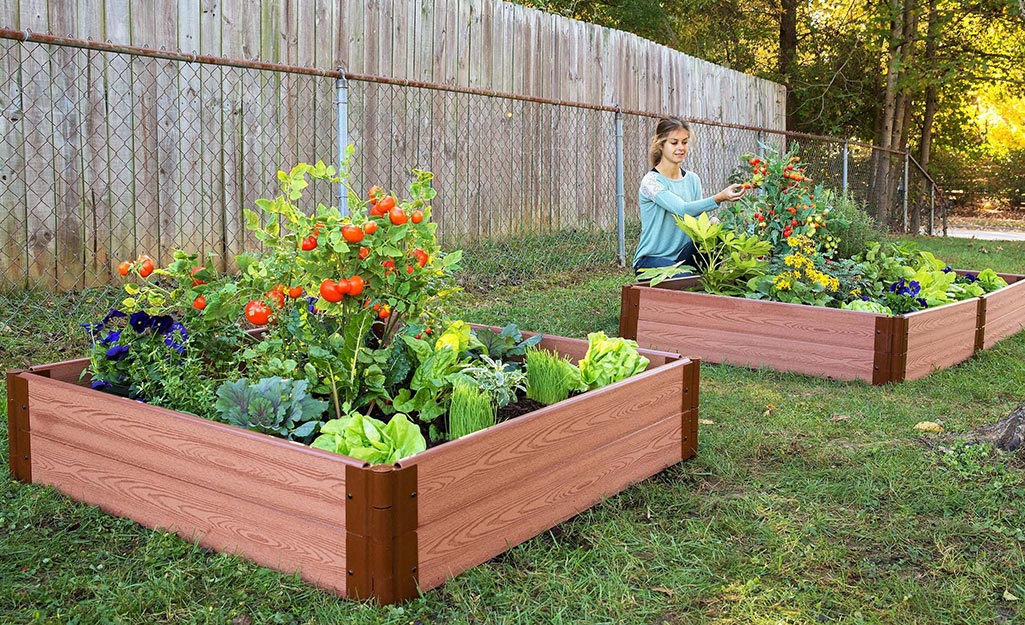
940,337
491,490
791,337
223,487
1005,312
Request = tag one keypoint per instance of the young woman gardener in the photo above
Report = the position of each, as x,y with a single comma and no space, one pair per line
669,190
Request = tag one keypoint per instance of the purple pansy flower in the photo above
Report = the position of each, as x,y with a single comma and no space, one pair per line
139,321
117,352
161,324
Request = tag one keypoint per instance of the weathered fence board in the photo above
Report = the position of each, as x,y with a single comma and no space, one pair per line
115,156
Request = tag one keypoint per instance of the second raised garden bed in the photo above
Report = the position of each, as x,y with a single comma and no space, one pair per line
381,532
824,342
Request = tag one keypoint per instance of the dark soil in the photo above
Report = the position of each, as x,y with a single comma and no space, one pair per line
521,407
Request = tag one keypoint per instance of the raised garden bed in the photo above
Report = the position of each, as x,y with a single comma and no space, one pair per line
825,342
381,532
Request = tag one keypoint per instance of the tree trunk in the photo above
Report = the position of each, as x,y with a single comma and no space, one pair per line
787,54
931,95
1008,434
881,169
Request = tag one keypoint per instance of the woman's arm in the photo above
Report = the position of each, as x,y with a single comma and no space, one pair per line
654,190
673,203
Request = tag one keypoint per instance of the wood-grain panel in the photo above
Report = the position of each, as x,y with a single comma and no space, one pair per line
501,517
790,322
264,470
65,371
454,475
753,349
1005,313
211,518
940,337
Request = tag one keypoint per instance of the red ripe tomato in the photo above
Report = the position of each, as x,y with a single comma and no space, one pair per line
197,281
199,303
352,234
257,312
356,285
295,292
375,192
754,161
409,269
124,268
309,243
386,204
276,296
384,312
417,216
375,211
363,253
370,227
146,267
329,290
397,216
421,257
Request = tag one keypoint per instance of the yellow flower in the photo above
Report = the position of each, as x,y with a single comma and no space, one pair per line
781,282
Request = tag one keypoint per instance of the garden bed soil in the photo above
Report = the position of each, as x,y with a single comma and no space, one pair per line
818,341
379,532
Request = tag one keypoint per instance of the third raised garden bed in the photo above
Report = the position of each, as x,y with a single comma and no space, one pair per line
818,341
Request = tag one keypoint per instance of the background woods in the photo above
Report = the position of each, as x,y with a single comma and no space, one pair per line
943,77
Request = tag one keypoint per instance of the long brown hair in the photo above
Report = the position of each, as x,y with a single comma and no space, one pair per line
665,126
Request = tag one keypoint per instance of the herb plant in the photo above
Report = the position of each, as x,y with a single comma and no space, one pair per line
550,377
500,381
471,410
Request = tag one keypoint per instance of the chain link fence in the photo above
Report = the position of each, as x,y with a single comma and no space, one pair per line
109,153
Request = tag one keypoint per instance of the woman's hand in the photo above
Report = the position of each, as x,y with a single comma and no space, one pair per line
731,193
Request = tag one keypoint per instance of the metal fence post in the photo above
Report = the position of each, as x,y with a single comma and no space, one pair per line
907,162
846,153
620,190
932,208
342,132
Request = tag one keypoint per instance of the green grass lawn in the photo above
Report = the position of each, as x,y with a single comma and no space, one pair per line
810,501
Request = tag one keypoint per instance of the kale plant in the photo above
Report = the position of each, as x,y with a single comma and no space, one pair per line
274,406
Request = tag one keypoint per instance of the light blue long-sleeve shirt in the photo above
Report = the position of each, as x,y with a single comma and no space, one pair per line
660,199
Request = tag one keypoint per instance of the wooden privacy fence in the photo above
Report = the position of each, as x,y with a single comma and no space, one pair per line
107,152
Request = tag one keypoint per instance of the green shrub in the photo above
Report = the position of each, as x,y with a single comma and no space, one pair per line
471,410
852,224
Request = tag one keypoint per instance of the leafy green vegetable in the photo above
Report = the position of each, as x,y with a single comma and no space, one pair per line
273,406
431,387
866,306
609,360
989,280
508,342
370,440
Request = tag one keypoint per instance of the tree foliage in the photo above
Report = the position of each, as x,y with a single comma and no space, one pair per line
897,73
